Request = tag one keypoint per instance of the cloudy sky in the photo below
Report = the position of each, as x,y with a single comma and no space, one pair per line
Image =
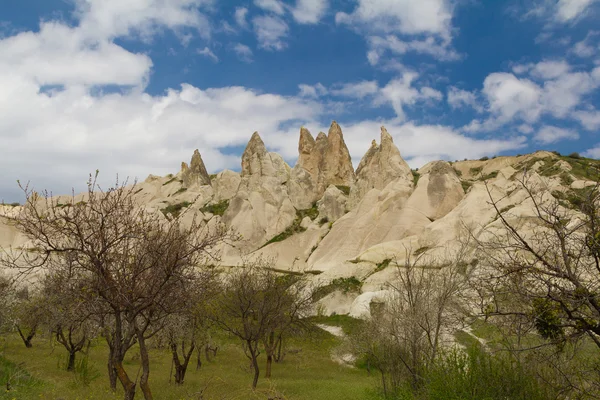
132,87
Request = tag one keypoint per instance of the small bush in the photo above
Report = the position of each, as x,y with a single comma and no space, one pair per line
466,185
175,209
566,179
169,181
344,189
182,190
345,285
217,208
476,170
383,265
574,155
491,175
484,158
416,177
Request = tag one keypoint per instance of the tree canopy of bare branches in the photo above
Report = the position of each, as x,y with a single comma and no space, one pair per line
133,267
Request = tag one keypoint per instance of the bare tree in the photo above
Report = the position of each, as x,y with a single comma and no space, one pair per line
549,261
403,337
257,305
66,313
137,264
540,273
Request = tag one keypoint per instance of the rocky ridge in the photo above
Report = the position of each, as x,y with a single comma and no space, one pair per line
325,218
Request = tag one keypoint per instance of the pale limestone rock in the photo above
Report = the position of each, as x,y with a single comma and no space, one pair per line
225,185
305,223
438,191
195,174
361,306
336,166
332,205
292,253
379,166
581,184
379,217
309,157
321,162
302,188
261,207
336,303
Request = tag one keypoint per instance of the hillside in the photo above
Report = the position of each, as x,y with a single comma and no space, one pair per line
346,226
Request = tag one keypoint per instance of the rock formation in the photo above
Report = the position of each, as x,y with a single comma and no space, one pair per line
379,166
335,167
367,220
196,173
261,207
322,162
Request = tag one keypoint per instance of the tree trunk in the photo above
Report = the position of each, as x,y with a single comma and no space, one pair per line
207,352
199,359
254,357
128,385
144,385
27,339
269,363
279,348
71,365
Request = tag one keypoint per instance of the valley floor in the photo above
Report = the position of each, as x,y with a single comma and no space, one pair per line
39,373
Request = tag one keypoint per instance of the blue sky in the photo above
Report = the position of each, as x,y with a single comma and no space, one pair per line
132,87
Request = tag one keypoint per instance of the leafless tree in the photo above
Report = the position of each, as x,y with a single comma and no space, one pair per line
540,276
404,334
137,264
258,305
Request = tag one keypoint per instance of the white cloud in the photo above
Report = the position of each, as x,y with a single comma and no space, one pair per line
568,10
553,134
208,53
400,93
594,152
589,119
313,91
457,98
66,134
403,16
510,97
378,46
240,16
402,26
420,144
309,11
60,55
102,19
586,48
270,31
356,89
550,69
554,89
274,6
243,52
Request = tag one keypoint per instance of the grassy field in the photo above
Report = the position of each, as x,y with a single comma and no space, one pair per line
38,373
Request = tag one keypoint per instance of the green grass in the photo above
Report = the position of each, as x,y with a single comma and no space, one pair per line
489,176
182,190
466,185
416,176
308,374
382,265
348,324
169,181
344,189
217,208
312,213
345,285
175,209
476,170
